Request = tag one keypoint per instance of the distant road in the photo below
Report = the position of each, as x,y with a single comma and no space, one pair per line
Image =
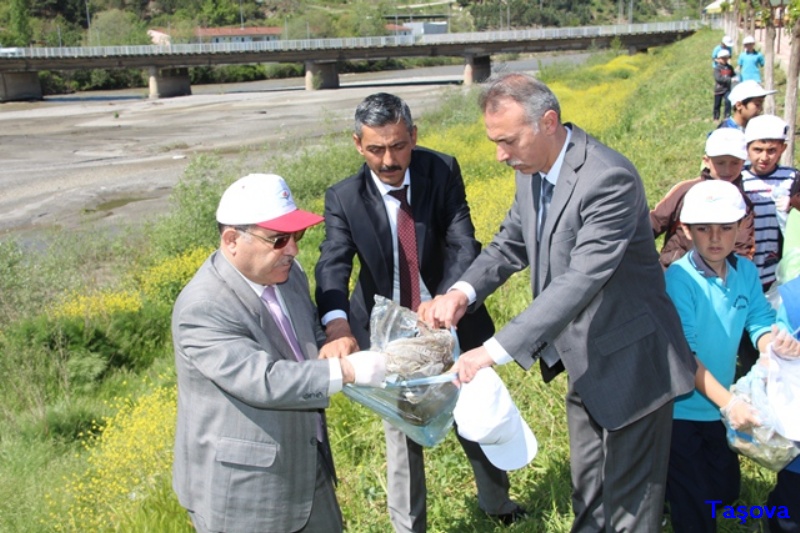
112,157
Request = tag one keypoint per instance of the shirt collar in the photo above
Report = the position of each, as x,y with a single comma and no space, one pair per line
385,189
555,170
702,267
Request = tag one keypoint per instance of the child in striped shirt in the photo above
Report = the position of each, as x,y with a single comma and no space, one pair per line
767,184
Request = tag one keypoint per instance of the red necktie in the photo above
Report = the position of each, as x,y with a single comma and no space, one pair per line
408,264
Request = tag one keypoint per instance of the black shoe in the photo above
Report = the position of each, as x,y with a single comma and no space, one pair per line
517,514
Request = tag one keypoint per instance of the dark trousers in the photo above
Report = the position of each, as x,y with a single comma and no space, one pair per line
718,101
701,468
786,493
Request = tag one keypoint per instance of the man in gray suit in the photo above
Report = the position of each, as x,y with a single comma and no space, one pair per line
580,220
251,447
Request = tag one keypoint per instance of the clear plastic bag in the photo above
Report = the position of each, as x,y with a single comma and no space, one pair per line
761,443
416,397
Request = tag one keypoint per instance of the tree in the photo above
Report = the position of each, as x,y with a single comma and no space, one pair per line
769,53
790,111
118,28
20,25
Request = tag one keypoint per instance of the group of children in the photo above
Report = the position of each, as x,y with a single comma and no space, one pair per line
723,238
750,62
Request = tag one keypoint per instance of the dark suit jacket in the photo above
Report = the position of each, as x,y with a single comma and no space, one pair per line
603,305
356,224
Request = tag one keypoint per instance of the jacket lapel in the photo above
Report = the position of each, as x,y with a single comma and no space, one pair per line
254,305
574,158
378,253
419,200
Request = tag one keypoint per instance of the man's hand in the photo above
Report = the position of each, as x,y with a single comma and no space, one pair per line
445,310
339,340
364,368
470,362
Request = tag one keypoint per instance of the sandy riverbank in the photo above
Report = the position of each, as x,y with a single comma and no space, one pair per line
69,162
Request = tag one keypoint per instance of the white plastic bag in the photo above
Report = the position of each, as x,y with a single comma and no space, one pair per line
416,398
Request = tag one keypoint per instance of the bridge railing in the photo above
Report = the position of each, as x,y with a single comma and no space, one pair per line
350,43
563,33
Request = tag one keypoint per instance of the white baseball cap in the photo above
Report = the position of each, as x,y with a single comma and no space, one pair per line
766,127
713,202
726,141
264,200
747,90
486,414
727,41
749,40
724,52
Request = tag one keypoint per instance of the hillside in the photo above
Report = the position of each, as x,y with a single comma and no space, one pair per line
111,22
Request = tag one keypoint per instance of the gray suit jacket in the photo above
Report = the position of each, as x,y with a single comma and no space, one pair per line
602,304
245,444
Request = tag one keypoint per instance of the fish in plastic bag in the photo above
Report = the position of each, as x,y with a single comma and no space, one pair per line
763,444
416,397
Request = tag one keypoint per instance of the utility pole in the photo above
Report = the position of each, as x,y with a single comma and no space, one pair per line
241,15
630,13
88,23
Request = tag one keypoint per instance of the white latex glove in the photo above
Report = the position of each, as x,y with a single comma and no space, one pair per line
740,414
369,368
783,344
782,203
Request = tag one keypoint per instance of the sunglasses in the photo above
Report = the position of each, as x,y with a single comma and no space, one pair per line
279,241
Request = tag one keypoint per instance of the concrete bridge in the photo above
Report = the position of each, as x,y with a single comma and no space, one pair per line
168,65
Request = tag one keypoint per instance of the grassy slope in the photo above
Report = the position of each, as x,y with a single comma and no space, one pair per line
657,118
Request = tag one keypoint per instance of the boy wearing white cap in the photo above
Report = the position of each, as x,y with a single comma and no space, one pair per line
725,44
747,101
725,154
750,61
767,184
723,77
718,297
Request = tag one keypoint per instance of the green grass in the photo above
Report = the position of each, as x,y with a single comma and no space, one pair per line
60,384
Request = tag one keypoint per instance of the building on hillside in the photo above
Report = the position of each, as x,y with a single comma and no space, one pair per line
427,28
396,29
237,34
159,37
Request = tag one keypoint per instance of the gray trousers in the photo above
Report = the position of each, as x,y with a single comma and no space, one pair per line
618,477
406,481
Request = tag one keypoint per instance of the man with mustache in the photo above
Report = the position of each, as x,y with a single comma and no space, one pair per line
251,446
600,310
410,247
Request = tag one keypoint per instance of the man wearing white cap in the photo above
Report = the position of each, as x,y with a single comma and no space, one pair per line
750,61
251,446
747,99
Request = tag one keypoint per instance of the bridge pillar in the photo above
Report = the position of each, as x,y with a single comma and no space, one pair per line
20,86
477,69
321,75
168,82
